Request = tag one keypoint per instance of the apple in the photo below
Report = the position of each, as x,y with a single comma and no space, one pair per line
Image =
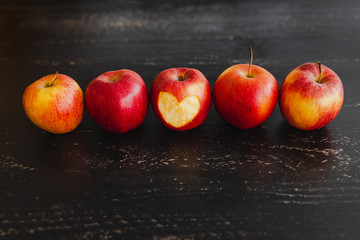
311,96
245,95
181,98
117,100
54,103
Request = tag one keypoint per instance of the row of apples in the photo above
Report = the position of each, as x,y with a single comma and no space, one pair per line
245,95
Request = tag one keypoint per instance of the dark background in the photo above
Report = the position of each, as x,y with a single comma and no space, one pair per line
212,182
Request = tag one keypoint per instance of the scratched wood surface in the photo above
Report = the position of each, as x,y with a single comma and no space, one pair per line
213,182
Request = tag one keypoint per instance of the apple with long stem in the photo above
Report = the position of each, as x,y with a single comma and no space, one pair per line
54,103
245,95
311,96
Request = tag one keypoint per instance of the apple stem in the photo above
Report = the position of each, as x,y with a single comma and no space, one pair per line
52,81
251,59
319,79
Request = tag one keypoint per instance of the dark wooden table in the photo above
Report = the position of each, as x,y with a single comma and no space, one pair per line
213,182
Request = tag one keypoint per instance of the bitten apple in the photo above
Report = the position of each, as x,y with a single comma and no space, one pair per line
117,100
54,103
311,96
245,95
181,98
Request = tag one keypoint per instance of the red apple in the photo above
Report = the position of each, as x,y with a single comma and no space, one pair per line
181,98
117,100
54,103
245,95
311,96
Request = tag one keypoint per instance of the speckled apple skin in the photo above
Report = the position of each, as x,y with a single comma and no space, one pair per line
307,104
117,100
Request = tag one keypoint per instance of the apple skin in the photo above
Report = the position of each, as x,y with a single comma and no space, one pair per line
307,104
194,83
245,102
117,100
58,108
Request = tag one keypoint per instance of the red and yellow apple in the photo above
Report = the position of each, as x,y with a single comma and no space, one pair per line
311,96
245,95
181,98
54,103
117,100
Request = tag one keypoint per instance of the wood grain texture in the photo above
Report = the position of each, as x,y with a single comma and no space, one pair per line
213,182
